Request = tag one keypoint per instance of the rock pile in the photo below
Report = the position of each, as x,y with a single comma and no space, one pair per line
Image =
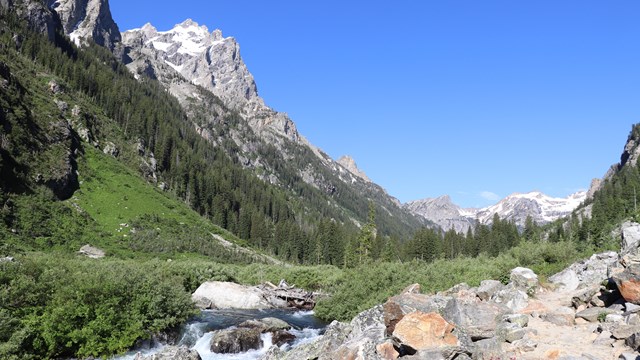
591,310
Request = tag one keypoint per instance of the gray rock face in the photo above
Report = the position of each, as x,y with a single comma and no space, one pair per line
586,273
39,18
84,20
350,164
209,60
444,213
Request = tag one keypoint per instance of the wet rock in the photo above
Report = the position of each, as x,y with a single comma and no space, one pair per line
233,341
268,324
282,337
425,331
172,353
322,348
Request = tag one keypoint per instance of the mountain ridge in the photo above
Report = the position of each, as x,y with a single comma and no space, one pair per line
516,207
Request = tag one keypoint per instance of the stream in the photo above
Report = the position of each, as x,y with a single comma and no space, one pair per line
197,332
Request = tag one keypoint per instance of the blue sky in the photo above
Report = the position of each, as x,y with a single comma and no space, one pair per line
475,99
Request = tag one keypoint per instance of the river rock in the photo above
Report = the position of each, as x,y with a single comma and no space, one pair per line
268,324
172,353
425,331
228,295
281,337
628,282
322,348
233,341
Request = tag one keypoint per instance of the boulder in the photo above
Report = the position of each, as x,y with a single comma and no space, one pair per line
624,331
561,316
478,320
268,324
633,341
322,348
488,288
521,320
525,279
233,341
387,351
510,332
91,252
111,149
488,349
594,314
566,280
511,297
628,282
585,295
228,295
425,331
630,237
171,353
281,337
397,306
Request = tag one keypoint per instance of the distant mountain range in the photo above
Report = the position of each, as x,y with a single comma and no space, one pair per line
516,207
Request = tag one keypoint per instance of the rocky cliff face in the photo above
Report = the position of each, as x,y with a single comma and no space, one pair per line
517,207
444,213
350,164
84,20
40,19
209,60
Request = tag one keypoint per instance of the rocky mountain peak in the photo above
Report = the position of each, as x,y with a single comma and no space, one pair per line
516,207
350,164
85,20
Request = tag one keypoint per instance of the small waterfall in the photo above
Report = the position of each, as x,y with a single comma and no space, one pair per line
198,332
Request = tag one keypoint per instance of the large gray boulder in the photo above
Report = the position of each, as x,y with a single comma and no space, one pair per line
586,273
479,320
228,295
525,279
630,237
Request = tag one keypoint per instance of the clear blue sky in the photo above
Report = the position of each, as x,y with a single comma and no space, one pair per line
466,98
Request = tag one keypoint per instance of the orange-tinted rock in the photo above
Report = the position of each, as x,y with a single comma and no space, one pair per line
423,331
628,283
386,351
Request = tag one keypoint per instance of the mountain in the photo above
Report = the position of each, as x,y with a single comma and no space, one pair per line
205,72
85,20
443,212
542,208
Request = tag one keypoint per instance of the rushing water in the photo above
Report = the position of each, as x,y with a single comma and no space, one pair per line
198,331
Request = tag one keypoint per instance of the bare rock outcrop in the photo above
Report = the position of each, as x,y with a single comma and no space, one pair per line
84,20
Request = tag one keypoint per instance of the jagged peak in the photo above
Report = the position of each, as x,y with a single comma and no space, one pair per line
350,164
